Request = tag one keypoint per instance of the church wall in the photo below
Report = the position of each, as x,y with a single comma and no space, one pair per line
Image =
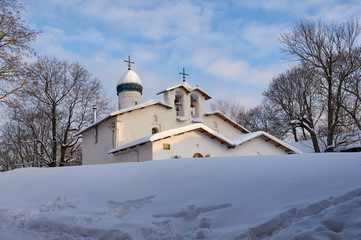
128,99
257,146
137,154
139,123
186,145
95,152
169,97
200,106
219,125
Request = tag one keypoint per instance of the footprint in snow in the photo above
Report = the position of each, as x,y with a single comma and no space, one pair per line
121,209
187,222
332,218
15,216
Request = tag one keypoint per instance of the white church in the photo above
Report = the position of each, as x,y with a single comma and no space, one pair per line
174,128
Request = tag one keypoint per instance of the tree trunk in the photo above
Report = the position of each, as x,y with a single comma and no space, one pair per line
330,120
53,133
294,134
316,147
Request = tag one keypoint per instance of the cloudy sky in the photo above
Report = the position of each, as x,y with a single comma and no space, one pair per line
229,48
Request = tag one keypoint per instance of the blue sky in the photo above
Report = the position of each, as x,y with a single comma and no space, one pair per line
229,48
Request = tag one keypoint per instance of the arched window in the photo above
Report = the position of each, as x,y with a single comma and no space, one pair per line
155,130
197,155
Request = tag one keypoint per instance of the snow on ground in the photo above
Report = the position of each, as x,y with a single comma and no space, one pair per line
305,196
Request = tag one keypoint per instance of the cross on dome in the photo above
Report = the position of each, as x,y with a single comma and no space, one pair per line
129,62
184,75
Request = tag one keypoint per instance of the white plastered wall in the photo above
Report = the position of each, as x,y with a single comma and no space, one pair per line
186,145
139,123
138,154
256,146
128,99
96,152
219,125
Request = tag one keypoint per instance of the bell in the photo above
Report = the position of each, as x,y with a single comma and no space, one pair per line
177,108
192,104
176,99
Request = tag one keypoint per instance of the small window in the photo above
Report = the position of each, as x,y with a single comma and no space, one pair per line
197,155
155,130
96,134
166,146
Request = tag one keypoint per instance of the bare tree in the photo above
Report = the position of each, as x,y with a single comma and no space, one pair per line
352,101
297,96
266,117
332,50
230,108
58,103
15,39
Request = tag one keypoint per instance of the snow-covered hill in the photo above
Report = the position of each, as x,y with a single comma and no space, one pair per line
305,196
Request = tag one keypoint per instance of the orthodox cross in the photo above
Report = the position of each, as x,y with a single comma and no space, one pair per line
129,62
184,75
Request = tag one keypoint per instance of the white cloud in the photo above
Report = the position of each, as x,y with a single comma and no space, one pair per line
289,7
327,10
241,71
155,22
339,12
163,36
89,35
263,39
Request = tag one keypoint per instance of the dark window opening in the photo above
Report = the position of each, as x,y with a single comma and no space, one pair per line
155,130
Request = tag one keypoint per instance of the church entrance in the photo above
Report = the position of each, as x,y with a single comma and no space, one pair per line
197,155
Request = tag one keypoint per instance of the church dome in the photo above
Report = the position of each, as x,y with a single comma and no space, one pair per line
130,81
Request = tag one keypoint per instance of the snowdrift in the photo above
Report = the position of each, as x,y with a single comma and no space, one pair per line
305,196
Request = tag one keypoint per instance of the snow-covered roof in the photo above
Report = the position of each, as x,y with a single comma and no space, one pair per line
176,131
228,119
125,110
129,77
188,88
207,96
350,141
185,86
230,142
140,106
240,139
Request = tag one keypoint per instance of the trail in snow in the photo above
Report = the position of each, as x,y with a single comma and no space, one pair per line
254,198
332,218
184,224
